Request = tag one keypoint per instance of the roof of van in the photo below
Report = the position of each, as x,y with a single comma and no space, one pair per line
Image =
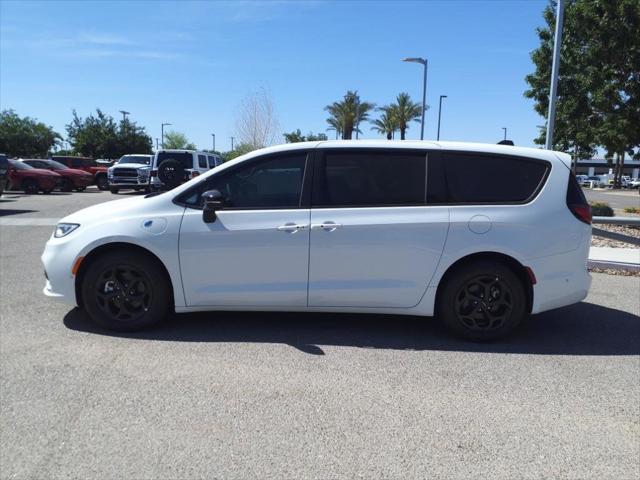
415,144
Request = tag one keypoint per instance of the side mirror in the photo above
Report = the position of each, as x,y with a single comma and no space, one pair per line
212,202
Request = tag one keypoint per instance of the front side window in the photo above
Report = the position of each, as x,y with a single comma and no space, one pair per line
19,165
272,182
467,178
202,161
369,179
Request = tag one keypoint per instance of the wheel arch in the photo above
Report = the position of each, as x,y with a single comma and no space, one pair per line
117,246
523,273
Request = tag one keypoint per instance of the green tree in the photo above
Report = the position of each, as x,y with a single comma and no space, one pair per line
386,124
99,136
24,136
240,149
403,112
346,115
177,140
297,136
599,81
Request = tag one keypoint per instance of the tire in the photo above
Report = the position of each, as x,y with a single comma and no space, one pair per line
67,185
171,172
30,186
114,190
81,189
482,301
102,182
104,297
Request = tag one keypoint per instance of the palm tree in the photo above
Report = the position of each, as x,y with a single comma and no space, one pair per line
346,115
386,124
404,111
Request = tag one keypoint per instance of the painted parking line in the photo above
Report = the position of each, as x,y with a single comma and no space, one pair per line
28,222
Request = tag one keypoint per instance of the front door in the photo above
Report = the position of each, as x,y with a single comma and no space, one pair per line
374,242
256,253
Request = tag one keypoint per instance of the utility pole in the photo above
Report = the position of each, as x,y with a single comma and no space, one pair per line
157,144
505,132
439,113
162,130
124,115
555,70
425,63
214,141
232,143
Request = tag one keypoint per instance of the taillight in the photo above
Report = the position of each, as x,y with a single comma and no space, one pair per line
582,212
154,173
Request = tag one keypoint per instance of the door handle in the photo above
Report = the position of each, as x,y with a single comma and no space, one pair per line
291,227
326,226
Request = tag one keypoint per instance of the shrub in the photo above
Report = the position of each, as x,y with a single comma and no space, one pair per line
632,210
601,209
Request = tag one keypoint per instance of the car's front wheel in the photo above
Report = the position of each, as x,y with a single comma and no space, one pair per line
483,300
30,186
126,291
102,182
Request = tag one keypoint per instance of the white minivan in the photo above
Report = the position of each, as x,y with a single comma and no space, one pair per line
478,235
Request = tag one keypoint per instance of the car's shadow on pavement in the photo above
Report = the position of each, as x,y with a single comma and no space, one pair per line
582,329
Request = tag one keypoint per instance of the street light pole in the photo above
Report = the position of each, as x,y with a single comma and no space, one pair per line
232,143
425,64
439,113
505,132
555,69
156,144
124,115
162,131
214,141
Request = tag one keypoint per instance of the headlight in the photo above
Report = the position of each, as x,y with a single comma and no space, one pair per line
64,229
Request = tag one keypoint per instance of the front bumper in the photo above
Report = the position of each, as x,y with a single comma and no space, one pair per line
58,259
128,182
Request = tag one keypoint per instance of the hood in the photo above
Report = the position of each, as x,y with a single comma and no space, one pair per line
73,171
129,165
109,210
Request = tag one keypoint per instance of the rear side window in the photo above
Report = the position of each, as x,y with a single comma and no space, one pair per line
212,161
202,161
369,179
185,158
463,178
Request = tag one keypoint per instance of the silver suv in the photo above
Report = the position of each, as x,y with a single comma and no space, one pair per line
130,172
171,168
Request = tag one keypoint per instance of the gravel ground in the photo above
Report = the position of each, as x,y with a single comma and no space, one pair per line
622,229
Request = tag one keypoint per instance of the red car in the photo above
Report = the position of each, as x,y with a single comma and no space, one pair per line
31,180
71,177
88,165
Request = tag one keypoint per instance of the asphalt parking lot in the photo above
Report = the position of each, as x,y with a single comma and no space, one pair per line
251,395
617,199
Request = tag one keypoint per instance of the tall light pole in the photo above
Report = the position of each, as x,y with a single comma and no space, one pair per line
124,115
214,141
424,63
439,113
232,143
555,69
505,132
162,130
156,144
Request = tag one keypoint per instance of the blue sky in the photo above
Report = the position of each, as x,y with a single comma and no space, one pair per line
191,63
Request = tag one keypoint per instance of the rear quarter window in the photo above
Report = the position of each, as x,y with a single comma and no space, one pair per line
470,178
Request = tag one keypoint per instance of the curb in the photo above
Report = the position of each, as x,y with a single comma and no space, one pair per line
603,264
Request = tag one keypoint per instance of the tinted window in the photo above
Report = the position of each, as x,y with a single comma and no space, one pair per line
474,178
212,161
273,182
202,161
369,179
185,158
19,165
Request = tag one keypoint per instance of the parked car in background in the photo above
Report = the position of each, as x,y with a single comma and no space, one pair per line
171,168
31,180
88,165
595,181
130,172
581,179
634,183
72,179
378,227
4,172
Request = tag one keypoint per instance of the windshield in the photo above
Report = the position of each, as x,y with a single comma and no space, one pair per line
185,158
56,165
143,159
20,165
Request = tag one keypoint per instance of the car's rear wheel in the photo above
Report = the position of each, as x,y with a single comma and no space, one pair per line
125,291
30,186
483,300
102,182
67,185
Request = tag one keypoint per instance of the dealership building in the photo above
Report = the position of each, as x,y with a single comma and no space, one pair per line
599,166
